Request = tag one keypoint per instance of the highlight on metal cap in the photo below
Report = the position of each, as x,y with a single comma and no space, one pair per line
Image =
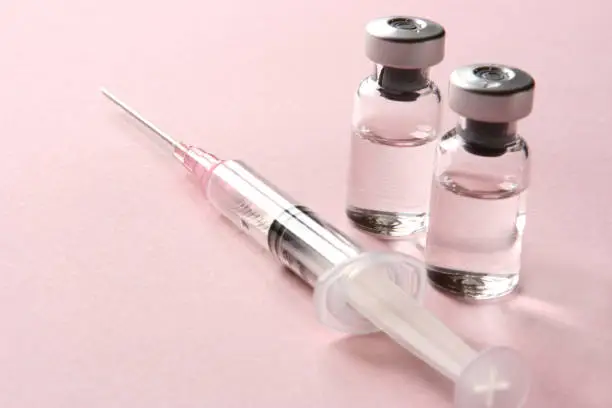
491,92
405,42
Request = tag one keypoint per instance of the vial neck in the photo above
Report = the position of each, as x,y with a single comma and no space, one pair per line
486,138
397,81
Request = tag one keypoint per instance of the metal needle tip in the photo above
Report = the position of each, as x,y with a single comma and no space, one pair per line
136,115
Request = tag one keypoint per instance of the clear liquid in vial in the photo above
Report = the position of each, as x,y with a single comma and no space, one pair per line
474,238
390,183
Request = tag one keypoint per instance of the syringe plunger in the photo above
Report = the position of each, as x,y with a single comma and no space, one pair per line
375,294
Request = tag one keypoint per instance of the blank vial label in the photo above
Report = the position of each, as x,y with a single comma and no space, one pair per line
391,177
473,240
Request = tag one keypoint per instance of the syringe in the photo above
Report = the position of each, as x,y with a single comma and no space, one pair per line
355,291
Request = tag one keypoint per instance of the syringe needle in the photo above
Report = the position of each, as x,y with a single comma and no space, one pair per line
133,113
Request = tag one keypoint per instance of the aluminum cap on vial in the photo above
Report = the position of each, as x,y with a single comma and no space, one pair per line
404,42
491,92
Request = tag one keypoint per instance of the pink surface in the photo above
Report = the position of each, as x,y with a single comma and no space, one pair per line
120,287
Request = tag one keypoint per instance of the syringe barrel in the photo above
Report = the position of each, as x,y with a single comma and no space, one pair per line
299,240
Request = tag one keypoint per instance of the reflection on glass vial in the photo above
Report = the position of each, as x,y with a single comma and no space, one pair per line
482,172
395,126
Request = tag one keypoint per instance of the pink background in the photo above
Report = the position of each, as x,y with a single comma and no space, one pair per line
119,286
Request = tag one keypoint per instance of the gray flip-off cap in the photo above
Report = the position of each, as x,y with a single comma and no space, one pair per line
491,92
405,42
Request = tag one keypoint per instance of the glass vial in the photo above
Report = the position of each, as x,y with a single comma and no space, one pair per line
481,175
395,127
